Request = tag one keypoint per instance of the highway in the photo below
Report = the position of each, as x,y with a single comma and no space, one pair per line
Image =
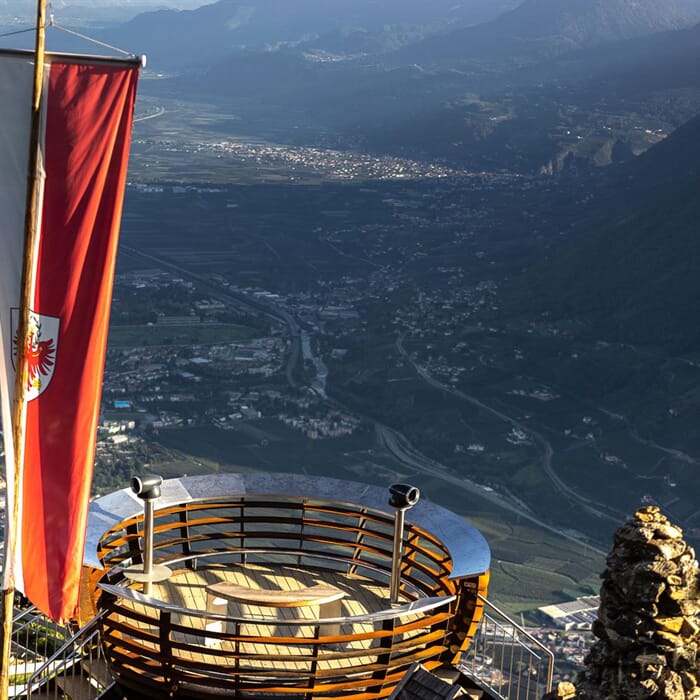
158,113
239,300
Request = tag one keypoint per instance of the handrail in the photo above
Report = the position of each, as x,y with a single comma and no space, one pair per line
24,613
88,630
68,661
414,607
367,566
547,652
145,638
491,661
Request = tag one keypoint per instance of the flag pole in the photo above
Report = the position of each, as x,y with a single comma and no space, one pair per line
18,404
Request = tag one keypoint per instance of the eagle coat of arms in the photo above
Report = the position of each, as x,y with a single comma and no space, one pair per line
40,347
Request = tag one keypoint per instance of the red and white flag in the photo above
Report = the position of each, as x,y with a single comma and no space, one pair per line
86,117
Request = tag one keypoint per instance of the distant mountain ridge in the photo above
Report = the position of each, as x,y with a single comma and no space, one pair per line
541,28
175,39
589,22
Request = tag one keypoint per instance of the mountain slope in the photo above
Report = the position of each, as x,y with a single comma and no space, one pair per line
664,61
656,62
632,272
543,28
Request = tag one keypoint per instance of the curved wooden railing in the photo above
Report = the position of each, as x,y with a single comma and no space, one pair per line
151,646
153,651
356,535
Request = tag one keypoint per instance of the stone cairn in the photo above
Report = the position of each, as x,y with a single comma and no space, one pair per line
648,632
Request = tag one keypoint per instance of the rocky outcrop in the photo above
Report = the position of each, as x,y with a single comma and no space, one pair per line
563,691
647,627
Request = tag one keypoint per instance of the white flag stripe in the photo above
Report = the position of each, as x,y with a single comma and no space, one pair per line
16,84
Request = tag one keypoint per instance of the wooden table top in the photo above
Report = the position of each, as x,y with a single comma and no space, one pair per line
310,595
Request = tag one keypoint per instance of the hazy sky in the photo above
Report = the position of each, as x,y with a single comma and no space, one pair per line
29,5
77,11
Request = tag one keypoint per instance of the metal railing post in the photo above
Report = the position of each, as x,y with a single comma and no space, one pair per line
148,510
147,488
401,498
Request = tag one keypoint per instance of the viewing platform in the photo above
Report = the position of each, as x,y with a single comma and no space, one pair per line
280,586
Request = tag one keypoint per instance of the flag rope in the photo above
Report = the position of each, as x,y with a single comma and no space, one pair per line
52,23
131,54
18,31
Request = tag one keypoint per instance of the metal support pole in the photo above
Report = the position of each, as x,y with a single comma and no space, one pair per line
147,488
148,508
397,555
18,402
401,497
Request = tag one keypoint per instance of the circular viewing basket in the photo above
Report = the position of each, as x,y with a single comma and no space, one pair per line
183,640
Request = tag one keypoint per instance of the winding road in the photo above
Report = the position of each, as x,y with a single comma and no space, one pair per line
402,450
544,446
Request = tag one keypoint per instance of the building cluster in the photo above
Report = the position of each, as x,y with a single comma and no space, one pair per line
333,424
329,163
576,614
179,370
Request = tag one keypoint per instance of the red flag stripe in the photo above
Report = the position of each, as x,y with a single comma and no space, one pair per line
89,111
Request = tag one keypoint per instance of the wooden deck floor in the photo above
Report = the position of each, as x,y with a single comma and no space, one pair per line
274,643
188,588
